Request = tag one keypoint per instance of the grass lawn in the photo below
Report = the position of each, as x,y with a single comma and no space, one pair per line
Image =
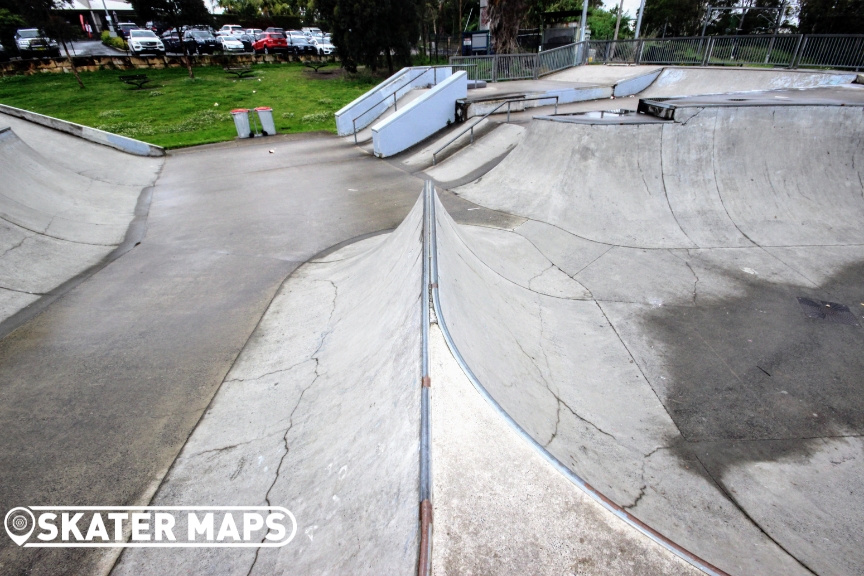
176,111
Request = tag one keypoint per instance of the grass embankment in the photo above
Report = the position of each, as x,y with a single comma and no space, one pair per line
175,111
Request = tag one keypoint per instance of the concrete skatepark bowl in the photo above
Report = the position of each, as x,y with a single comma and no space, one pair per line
645,350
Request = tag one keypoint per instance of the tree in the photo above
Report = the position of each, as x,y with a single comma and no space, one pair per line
831,17
505,16
174,13
363,29
40,13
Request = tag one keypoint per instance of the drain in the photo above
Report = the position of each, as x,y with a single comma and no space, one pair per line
831,311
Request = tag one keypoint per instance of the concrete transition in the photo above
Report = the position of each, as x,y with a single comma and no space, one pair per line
321,414
643,325
63,213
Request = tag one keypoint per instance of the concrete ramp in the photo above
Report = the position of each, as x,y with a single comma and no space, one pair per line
673,350
63,213
687,81
321,413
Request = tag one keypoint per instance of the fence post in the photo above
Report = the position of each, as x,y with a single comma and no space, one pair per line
708,50
799,51
536,60
495,68
639,52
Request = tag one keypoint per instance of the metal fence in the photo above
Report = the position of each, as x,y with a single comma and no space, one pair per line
772,50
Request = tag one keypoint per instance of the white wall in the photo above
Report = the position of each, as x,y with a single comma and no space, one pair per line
421,118
368,107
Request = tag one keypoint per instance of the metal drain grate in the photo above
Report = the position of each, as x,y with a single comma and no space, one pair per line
831,311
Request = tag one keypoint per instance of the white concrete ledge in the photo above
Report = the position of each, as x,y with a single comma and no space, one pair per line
421,118
122,143
368,107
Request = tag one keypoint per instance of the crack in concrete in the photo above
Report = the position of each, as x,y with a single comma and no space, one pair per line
313,356
692,271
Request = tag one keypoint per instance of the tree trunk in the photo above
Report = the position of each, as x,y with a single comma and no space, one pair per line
72,63
618,20
188,59
389,60
504,19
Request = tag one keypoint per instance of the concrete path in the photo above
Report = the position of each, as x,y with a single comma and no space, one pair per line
99,393
660,350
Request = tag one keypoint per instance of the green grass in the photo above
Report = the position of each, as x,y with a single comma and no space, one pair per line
176,111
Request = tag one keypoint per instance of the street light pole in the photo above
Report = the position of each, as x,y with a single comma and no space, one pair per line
584,20
639,20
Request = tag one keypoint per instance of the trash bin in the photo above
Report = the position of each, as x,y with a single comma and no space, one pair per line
241,122
265,116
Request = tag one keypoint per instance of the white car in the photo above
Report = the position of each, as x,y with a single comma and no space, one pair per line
323,47
229,44
230,30
145,42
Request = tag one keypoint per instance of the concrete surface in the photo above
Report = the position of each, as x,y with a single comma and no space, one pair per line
315,419
693,390
474,160
687,81
62,211
100,392
502,509
601,74
122,143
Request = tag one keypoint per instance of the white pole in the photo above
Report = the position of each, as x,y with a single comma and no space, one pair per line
584,20
639,20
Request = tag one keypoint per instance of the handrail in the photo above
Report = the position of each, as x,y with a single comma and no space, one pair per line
471,128
395,98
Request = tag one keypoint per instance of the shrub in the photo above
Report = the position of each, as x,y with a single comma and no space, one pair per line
115,42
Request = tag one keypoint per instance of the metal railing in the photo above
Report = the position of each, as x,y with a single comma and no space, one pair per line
508,102
774,50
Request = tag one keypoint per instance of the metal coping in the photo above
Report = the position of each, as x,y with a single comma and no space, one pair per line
592,492
665,107
612,119
424,562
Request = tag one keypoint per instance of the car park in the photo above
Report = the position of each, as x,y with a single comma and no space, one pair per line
143,42
199,41
324,47
123,29
270,42
32,43
299,44
230,44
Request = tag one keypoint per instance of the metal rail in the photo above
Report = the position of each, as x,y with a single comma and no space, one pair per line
424,564
838,51
471,128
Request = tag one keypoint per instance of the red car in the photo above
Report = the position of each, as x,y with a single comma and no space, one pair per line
269,42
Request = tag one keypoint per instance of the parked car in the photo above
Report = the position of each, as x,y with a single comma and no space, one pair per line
273,30
172,41
4,56
31,43
299,44
123,29
157,27
270,42
230,30
247,40
312,31
230,44
324,47
254,32
145,42
199,42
